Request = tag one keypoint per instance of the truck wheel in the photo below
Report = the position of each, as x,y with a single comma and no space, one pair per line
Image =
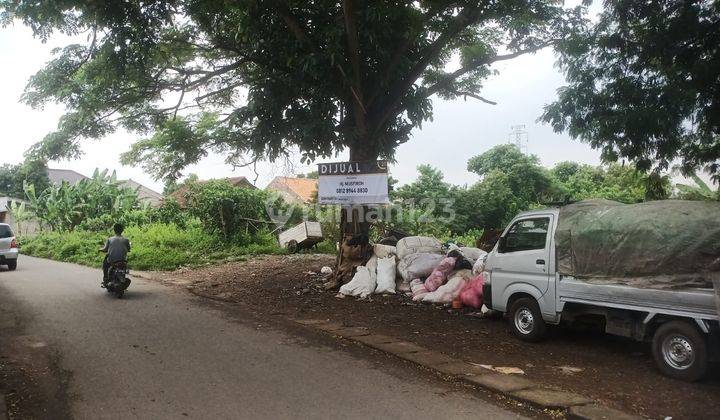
680,351
292,246
526,320
12,264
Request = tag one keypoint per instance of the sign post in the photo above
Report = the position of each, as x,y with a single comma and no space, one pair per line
353,185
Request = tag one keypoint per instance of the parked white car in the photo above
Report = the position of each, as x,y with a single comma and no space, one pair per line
8,247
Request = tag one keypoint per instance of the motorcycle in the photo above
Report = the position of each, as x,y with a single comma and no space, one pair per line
118,280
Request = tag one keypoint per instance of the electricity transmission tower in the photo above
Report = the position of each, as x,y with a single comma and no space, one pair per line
519,137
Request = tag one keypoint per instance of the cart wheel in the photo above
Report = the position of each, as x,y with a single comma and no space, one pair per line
292,246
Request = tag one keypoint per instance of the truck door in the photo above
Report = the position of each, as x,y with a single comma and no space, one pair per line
522,257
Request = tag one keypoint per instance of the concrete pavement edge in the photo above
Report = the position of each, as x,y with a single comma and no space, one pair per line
518,388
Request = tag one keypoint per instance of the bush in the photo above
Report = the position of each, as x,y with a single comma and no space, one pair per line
170,212
227,211
156,246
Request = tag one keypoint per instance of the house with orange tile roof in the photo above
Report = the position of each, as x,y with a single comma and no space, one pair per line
294,190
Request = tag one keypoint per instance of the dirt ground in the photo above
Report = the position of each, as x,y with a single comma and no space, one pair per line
616,371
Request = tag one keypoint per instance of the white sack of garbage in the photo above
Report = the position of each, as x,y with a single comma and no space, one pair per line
361,284
384,251
479,265
418,265
470,253
385,275
372,265
418,244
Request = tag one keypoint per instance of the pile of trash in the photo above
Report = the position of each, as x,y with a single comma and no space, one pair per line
424,269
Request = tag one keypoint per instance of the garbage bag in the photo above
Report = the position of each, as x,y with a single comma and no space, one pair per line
384,251
472,294
361,284
450,290
657,244
372,266
417,287
439,274
479,265
418,266
472,254
385,275
418,244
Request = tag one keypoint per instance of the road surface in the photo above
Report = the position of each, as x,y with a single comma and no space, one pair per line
160,353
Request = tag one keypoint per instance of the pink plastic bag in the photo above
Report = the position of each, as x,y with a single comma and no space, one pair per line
472,293
439,275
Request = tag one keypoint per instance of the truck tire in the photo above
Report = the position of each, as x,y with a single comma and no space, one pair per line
526,320
680,351
12,264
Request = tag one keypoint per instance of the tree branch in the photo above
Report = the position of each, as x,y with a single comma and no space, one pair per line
354,56
211,74
300,34
385,109
478,63
475,96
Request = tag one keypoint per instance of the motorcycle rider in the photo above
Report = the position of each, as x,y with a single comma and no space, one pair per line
116,248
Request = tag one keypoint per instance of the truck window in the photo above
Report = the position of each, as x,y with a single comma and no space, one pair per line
525,235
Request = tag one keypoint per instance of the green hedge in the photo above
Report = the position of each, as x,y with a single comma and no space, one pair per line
155,246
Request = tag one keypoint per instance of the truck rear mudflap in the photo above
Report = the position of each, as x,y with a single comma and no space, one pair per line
487,295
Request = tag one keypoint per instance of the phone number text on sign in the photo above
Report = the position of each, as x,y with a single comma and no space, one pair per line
352,183
348,187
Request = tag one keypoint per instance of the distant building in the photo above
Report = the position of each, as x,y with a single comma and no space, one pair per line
27,227
57,176
144,193
294,190
4,207
238,181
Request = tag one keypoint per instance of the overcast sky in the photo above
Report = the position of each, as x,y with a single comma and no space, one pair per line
460,129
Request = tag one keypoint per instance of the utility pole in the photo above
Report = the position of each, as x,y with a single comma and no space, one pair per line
519,137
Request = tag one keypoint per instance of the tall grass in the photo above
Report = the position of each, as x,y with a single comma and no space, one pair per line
155,246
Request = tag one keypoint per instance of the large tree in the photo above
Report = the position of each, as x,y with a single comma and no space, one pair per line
644,84
251,79
15,178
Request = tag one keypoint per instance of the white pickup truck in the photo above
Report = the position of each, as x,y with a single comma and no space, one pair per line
522,282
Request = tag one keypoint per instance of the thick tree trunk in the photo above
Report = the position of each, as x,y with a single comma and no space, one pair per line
353,224
357,215
717,294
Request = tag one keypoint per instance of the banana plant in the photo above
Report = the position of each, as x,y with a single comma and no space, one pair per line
699,191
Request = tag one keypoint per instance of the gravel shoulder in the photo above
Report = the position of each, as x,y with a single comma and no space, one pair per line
614,371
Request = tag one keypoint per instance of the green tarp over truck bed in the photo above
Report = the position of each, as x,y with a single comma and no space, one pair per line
658,244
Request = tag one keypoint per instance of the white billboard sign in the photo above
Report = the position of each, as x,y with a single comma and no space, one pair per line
350,183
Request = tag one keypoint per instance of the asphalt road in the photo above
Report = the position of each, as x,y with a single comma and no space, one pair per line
160,353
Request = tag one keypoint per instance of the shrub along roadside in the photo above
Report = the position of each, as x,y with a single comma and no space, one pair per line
155,246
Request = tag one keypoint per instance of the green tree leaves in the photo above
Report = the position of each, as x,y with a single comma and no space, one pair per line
322,76
644,84
227,211
13,178
100,200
